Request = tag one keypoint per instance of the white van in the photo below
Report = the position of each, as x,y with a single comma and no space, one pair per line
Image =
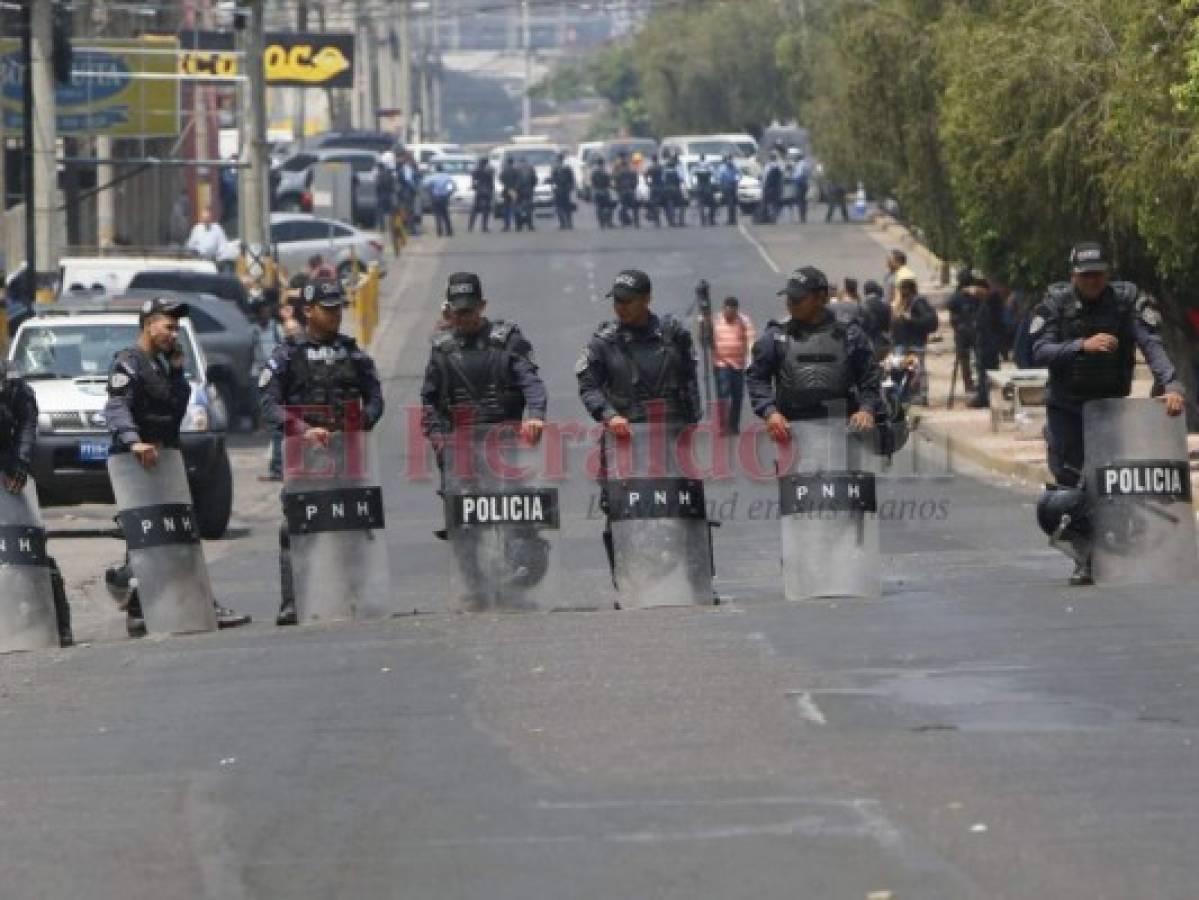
110,275
541,156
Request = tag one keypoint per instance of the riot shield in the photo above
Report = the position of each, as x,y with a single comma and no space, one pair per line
334,510
27,619
155,515
1138,477
827,506
503,522
661,542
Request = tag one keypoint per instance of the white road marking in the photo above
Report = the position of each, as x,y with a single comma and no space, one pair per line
757,245
808,709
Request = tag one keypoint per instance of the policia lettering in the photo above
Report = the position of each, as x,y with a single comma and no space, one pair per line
1168,480
531,507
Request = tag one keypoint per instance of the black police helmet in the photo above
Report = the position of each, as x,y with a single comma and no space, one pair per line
1058,502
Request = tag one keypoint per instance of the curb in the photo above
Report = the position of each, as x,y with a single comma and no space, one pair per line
1012,468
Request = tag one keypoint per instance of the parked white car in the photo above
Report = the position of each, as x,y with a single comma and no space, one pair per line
297,237
542,157
111,275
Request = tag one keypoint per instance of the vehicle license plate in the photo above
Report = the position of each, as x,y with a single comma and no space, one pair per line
93,451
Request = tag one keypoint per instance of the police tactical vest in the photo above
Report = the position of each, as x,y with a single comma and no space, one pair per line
814,370
476,375
151,406
325,376
8,421
641,371
1093,376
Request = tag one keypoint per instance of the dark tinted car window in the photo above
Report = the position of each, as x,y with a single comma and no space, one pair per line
203,322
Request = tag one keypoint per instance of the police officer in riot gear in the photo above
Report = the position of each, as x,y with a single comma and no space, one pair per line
655,180
563,180
639,368
812,359
601,194
672,192
18,432
315,384
148,395
481,371
705,191
1086,333
624,177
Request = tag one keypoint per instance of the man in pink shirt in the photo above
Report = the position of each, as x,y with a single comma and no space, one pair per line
732,338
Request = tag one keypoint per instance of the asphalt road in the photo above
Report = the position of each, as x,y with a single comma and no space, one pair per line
982,731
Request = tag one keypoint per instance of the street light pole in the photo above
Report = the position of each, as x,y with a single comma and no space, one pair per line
526,106
254,182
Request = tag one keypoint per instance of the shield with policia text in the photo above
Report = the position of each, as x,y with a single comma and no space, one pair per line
661,541
334,510
156,518
27,618
503,521
827,510
1138,478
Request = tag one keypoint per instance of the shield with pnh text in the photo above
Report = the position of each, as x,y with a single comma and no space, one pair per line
827,511
503,521
27,618
1138,478
661,540
334,510
155,514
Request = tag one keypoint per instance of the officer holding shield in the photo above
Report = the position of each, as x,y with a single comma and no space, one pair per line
18,431
314,385
1086,332
148,395
636,369
810,359
481,376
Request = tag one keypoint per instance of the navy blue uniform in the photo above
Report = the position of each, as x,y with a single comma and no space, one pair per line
18,423
797,369
18,433
147,400
322,375
624,369
489,377
1060,324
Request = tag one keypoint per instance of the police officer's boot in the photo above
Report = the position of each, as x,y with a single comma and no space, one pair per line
135,621
62,610
1082,573
287,609
228,618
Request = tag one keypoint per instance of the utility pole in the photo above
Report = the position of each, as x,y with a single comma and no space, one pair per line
526,103
405,88
297,123
40,127
254,204
435,73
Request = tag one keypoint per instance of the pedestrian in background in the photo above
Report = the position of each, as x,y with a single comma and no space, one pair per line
876,318
385,195
834,198
732,338
268,334
913,319
772,190
801,174
963,309
988,342
526,188
207,236
563,180
441,189
897,271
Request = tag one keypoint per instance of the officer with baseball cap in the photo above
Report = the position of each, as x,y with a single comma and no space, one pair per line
1086,332
481,371
316,384
636,369
148,396
811,359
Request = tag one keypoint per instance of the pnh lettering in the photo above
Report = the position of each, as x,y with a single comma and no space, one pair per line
853,491
362,509
661,498
168,525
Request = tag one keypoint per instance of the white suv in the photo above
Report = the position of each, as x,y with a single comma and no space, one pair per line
65,359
